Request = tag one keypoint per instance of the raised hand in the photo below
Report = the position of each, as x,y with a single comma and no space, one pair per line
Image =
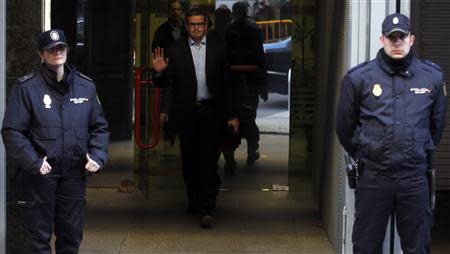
159,63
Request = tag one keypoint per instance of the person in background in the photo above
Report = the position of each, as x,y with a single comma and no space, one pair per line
245,47
264,12
171,30
222,22
55,132
390,117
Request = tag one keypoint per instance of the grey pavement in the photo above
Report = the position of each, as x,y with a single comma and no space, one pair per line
273,114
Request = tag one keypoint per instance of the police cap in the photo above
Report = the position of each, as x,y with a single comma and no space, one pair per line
396,23
51,38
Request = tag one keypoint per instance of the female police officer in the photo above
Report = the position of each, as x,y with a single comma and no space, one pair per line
54,130
391,111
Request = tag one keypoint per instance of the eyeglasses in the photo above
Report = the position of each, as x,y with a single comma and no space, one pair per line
193,25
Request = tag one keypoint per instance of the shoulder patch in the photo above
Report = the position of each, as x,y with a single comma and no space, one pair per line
26,77
357,67
84,76
435,66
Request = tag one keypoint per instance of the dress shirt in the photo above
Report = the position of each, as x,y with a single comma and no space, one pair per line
198,51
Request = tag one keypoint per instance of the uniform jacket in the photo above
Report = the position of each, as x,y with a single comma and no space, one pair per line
40,121
180,78
390,119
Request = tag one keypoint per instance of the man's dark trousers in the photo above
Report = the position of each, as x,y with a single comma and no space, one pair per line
252,133
375,197
199,150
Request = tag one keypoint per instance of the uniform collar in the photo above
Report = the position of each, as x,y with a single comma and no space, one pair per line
404,67
50,78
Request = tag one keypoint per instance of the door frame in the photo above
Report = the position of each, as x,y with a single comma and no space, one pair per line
2,110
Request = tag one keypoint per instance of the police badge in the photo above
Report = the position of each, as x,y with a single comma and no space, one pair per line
376,90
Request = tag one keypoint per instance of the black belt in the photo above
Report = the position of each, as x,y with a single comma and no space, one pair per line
207,102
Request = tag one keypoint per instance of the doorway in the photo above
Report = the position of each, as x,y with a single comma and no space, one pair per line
136,205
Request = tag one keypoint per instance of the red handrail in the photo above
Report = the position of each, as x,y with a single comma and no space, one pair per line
243,68
137,110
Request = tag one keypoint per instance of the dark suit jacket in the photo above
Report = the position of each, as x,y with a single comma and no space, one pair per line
180,77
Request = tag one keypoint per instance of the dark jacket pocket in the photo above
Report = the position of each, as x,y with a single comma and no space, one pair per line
47,142
81,137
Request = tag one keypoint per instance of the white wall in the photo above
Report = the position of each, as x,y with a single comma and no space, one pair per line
46,12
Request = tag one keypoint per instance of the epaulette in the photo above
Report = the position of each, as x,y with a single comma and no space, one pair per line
429,63
84,76
357,66
26,77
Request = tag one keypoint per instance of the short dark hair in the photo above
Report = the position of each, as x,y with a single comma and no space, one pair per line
170,2
197,11
240,9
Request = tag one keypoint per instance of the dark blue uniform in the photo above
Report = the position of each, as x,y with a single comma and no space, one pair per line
389,119
63,121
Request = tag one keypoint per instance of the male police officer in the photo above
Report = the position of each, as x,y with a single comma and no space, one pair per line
54,130
390,113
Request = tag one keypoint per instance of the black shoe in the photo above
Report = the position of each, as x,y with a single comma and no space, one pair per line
230,167
252,157
206,220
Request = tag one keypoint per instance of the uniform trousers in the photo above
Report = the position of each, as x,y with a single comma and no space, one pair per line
199,149
51,202
376,196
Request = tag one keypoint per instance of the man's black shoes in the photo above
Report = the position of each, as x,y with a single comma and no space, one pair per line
206,221
252,157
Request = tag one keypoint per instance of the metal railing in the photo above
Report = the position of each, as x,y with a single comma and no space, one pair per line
275,30
137,113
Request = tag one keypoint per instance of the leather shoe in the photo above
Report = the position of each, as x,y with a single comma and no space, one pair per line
206,221
252,157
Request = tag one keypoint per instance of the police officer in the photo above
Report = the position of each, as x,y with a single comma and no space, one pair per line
390,113
54,130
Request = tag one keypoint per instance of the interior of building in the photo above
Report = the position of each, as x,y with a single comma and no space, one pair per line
293,200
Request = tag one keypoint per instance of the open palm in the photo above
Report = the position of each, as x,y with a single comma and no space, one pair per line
159,63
